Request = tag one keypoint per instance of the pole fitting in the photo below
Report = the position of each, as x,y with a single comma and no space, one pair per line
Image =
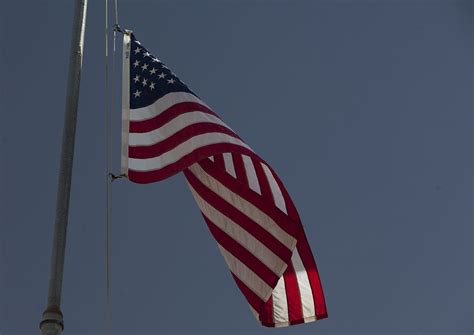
52,322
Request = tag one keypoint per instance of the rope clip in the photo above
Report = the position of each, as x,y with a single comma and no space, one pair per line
119,29
114,177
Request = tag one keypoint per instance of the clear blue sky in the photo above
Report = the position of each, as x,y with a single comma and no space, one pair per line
364,108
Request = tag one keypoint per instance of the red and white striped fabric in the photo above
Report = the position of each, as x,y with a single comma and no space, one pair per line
245,205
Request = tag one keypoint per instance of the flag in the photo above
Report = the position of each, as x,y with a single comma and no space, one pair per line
167,129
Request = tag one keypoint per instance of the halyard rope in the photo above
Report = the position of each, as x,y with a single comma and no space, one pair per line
109,177
108,171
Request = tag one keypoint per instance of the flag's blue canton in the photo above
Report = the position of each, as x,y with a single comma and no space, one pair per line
150,79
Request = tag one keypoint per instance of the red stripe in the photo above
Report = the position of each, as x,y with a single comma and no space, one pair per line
239,168
311,269
266,314
306,255
145,177
219,161
238,217
293,297
238,251
166,116
253,299
158,149
268,207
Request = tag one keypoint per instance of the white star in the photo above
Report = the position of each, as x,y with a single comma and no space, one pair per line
137,78
137,94
146,54
163,66
153,71
137,42
170,81
144,67
155,60
144,82
162,75
137,50
152,86
136,63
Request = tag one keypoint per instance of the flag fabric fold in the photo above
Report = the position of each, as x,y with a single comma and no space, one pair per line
167,129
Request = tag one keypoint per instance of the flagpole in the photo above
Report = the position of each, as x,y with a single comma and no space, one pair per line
52,320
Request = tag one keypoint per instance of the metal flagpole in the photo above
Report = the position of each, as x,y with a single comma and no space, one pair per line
52,321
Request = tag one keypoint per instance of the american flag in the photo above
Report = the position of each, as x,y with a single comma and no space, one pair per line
167,129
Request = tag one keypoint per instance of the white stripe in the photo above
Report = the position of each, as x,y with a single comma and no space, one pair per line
282,324
247,276
125,103
251,174
244,206
301,274
173,155
310,319
172,127
162,104
286,324
304,286
280,304
240,235
277,195
229,164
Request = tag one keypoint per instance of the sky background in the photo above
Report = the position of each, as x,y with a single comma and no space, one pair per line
364,108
